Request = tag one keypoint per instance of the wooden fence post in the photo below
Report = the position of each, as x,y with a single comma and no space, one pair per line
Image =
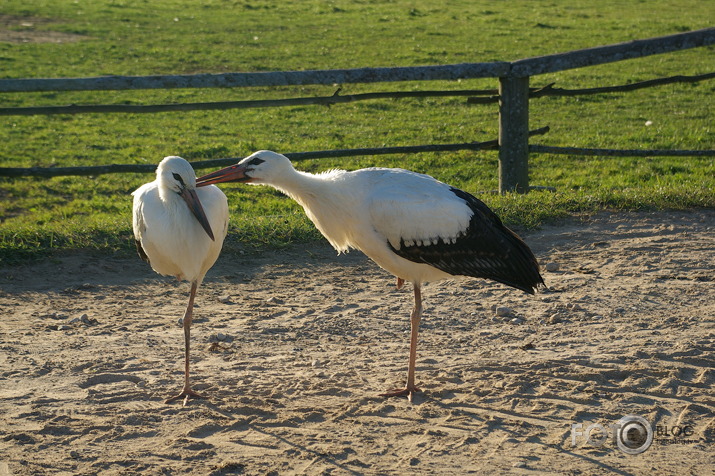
513,134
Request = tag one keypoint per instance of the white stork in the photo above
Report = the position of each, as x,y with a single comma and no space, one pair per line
412,225
173,223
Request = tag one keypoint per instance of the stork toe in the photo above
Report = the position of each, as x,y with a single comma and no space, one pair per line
401,392
185,394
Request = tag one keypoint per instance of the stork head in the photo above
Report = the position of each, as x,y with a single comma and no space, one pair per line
262,167
175,175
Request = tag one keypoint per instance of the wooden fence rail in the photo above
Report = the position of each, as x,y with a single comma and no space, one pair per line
546,149
513,85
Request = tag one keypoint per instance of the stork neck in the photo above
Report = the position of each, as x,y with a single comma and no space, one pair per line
303,187
166,194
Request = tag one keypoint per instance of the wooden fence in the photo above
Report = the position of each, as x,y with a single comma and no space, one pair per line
513,98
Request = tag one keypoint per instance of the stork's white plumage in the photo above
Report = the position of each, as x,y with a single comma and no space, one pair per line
174,225
412,225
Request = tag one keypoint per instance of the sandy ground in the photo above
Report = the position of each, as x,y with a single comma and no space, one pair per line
293,347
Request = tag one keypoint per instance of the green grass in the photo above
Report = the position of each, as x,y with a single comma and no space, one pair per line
132,37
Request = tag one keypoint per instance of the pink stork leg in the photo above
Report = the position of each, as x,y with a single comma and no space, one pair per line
187,393
415,318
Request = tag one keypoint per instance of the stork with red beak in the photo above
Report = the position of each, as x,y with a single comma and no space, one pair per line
417,228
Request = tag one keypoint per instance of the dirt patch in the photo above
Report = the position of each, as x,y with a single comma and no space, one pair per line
293,347
19,29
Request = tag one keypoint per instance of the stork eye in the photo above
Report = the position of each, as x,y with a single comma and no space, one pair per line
178,178
255,161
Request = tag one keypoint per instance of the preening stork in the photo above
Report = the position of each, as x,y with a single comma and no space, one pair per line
412,225
174,226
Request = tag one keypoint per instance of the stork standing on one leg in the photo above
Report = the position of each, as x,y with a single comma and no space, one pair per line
173,228
412,225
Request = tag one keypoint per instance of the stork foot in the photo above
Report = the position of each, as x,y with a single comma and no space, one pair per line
186,394
401,392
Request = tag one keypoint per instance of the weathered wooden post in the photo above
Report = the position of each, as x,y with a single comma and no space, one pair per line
513,134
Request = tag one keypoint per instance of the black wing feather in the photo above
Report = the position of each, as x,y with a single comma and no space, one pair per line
487,249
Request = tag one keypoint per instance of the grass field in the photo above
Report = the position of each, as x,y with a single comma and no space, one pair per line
183,37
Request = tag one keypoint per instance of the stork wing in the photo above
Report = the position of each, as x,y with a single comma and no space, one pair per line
413,209
138,225
487,250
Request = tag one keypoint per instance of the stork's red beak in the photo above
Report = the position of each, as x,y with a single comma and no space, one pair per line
233,173
192,200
